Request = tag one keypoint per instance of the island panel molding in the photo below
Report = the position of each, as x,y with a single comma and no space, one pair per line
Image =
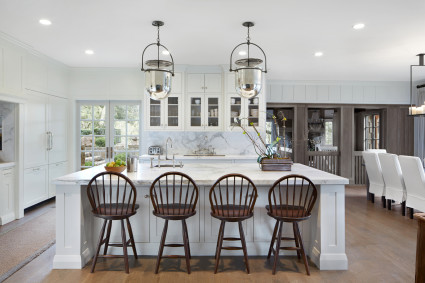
324,233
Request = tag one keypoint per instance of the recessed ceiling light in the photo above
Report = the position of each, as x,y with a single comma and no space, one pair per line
242,53
89,52
165,52
45,22
359,26
318,54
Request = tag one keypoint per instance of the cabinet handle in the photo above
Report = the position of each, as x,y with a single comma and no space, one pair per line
7,174
36,169
51,140
48,141
147,196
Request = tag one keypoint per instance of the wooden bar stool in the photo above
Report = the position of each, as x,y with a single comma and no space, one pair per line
232,199
174,196
110,201
291,199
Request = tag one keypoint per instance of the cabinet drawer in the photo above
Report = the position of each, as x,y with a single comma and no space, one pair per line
35,185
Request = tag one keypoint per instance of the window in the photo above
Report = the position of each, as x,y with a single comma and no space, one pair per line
371,132
108,131
329,140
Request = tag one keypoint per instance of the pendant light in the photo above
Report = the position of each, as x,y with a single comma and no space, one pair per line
248,73
414,110
159,72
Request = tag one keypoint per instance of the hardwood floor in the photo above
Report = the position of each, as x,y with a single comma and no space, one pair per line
380,247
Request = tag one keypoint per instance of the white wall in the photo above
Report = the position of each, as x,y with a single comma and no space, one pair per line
338,92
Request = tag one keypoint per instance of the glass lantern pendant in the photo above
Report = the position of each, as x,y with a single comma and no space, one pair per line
248,73
159,72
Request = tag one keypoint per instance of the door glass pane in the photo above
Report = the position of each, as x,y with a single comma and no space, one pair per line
86,112
87,142
119,112
99,128
253,111
195,111
99,143
99,112
86,128
235,110
155,113
127,130
173,112
213,113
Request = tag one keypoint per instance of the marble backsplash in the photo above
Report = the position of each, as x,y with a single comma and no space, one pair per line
228,143
7,113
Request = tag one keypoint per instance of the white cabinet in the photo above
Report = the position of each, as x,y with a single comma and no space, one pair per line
165,114
45,145
35,185
204,83
247,109
204,112
55,171
7,195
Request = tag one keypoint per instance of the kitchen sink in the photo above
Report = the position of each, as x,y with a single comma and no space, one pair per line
168,165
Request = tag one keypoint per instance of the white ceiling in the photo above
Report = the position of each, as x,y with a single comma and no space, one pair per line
203,32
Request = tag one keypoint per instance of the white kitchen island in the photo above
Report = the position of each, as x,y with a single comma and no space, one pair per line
324,233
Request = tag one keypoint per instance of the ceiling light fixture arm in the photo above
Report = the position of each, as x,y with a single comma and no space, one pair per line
248,43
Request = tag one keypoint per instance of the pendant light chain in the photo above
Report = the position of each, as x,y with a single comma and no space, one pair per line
248,41
158,44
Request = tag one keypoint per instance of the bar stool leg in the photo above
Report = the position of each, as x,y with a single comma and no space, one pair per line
161,246
108,235
278,240
220,245
383,202
102,232
389,202
218,238
300,240
124,247
403,208
296,240
186,247
273,239
130,233
187,236
245,253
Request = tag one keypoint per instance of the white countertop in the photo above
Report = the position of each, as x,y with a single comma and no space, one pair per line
202,157
7,164
208,173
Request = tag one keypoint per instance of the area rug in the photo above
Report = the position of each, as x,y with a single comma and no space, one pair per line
24,243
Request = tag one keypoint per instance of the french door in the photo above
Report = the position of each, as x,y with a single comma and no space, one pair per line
109,130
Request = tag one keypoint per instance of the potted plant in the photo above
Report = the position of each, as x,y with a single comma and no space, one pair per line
269,157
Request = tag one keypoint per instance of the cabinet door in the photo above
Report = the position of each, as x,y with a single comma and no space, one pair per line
213,112
172,115
35,185
35,130
154,113
212,83
234,108
7,196
196,120
176,83
195,83
58,125
253,111
55,171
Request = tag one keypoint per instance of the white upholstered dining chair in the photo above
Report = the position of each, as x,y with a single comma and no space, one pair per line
374,172
395,189
414,179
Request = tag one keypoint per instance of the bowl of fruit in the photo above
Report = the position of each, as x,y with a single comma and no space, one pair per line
116,166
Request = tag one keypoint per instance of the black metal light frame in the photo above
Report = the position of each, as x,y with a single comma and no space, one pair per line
421,64
248,43
158,24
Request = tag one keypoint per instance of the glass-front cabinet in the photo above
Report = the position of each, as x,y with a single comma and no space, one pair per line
246,111
164,114
204,113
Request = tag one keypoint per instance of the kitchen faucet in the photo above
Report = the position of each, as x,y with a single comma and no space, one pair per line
166,148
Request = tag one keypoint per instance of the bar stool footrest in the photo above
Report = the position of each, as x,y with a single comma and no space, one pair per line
290,248
232,248
174,245
231,239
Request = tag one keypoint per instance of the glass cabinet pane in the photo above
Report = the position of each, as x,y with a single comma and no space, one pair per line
195,111
173,112
213,113
253,111
155,113
235,109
